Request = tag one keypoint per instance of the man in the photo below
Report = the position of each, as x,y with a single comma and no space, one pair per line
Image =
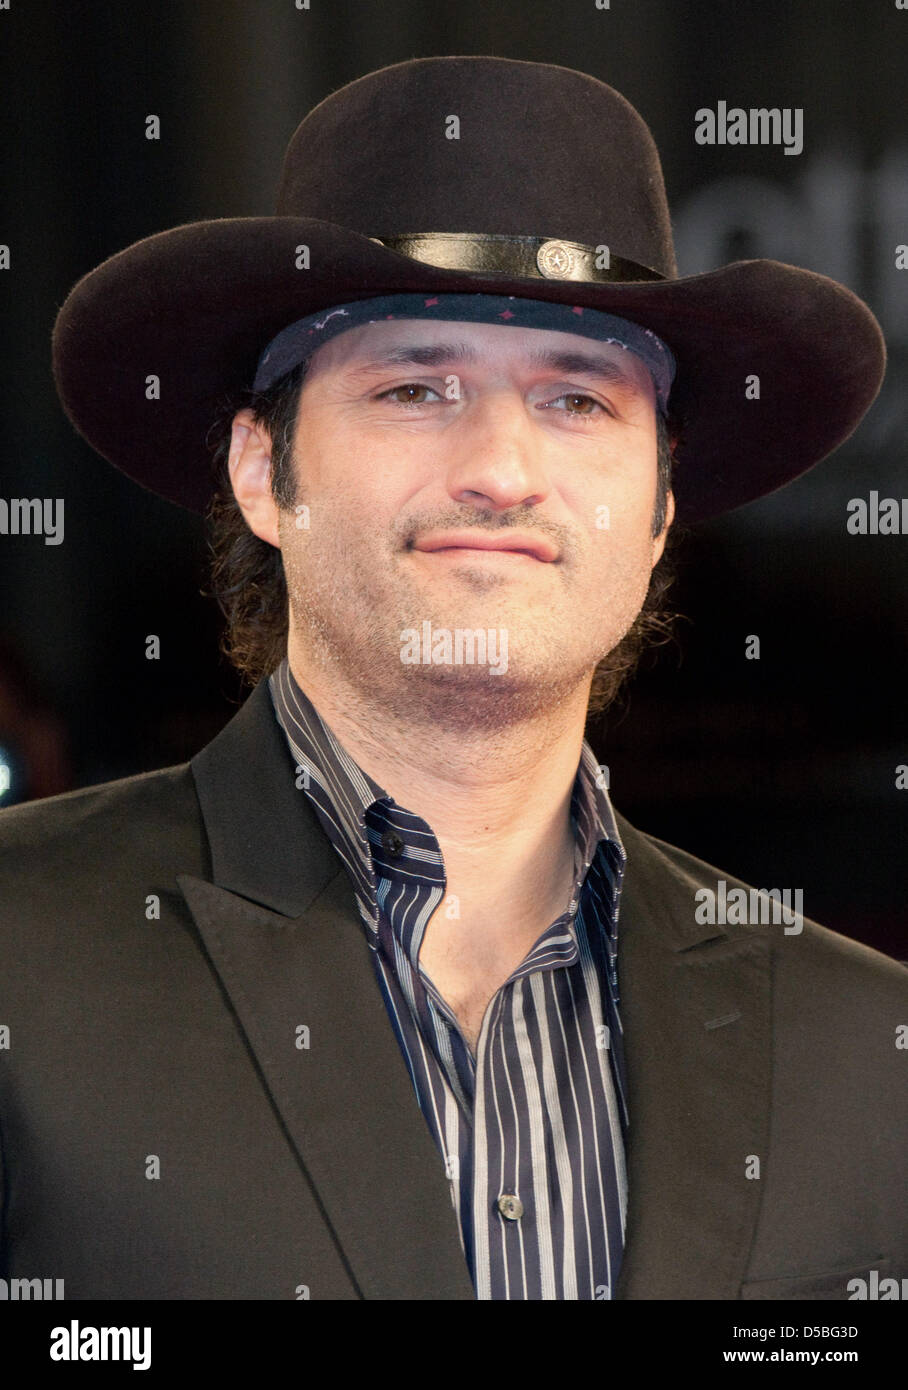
378,996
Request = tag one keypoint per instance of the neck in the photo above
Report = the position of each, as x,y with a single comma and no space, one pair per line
496,795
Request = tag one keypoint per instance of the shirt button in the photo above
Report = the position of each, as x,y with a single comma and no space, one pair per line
510,1206
392,843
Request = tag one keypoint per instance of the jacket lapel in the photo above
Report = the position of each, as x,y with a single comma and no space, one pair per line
280,923
695,1009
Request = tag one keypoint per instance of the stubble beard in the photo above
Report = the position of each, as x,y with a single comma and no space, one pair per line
357,655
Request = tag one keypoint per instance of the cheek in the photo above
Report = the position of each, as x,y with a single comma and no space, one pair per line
619,573
333,537
621,537
617,498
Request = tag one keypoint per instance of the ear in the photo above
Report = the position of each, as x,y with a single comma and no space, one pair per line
659,541
249,465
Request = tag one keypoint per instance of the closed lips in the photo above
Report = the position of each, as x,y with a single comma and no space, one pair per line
534,546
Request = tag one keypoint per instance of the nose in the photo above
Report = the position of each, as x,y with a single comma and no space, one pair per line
497,453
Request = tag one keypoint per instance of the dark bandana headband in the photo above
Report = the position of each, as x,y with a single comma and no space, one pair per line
300,339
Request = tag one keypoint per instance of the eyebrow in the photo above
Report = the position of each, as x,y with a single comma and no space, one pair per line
570,361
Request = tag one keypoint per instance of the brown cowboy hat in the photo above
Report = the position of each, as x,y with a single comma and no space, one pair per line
466,174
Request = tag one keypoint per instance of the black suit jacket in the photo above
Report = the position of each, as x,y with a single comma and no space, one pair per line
164,1137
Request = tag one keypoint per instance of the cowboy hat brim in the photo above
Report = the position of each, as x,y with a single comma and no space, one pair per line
196,305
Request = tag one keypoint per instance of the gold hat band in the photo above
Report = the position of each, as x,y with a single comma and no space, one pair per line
545,258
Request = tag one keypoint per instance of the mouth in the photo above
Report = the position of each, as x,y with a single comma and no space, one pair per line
471,546
473,552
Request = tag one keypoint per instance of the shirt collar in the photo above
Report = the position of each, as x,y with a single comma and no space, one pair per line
349,802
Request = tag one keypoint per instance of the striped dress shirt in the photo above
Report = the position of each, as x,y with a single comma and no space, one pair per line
531,1130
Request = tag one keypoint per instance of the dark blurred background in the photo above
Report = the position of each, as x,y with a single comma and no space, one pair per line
781,771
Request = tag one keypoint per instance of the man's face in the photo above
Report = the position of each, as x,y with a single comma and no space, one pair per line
481,437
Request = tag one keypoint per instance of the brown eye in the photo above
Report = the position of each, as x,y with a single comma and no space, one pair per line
573,397
409,388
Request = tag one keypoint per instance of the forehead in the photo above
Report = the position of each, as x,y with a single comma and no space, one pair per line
373,348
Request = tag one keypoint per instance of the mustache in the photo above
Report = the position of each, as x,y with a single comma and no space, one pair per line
489,523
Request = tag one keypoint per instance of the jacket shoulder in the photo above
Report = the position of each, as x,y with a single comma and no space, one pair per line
147,818
819,952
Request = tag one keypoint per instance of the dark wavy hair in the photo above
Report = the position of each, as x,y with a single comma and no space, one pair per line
247,574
